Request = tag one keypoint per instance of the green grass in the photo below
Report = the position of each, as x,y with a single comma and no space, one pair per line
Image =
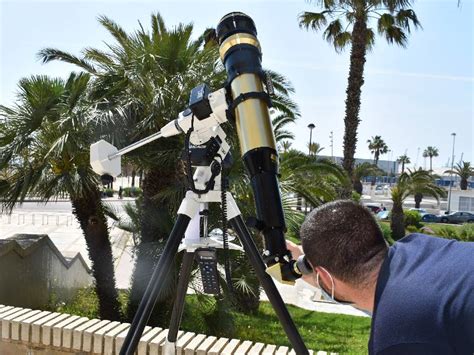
321,331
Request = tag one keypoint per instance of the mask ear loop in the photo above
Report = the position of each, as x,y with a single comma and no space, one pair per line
332,282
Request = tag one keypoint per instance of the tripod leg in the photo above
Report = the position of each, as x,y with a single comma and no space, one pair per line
153,289
178,307
273,295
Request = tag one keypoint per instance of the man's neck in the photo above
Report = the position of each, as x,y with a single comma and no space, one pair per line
364,297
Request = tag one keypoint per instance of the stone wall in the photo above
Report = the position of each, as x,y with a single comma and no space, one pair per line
35,332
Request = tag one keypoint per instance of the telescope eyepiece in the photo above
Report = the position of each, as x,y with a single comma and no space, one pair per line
235,22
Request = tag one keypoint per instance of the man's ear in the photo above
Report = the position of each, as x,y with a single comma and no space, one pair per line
323,277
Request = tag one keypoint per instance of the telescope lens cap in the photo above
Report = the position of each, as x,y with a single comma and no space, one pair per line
235,22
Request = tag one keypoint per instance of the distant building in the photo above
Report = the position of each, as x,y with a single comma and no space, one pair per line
444,179
389,166
462,200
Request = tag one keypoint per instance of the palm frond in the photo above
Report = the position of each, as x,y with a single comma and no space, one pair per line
312,20
49,54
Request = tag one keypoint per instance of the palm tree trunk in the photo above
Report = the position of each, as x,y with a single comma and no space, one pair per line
355,82
418,199
463,184
431,163
134,173
153,236
403,166
397,221
89,214
358,187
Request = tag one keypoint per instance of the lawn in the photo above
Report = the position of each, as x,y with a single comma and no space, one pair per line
321,331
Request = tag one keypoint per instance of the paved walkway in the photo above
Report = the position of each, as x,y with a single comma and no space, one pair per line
65,233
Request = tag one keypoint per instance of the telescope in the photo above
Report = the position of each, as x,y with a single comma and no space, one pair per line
244,101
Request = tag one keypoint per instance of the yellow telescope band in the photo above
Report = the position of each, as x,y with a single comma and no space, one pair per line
235,39
254,126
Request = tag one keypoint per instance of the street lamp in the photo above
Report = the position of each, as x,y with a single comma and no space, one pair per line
451,174
311,126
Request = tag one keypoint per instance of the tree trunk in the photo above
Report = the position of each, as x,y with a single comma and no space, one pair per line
358,187
403,166
134,173
140,178
418,199
431,163
89,214
155,229
397,221
355,82
463,184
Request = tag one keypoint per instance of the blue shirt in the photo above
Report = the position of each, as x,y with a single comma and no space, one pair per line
424,299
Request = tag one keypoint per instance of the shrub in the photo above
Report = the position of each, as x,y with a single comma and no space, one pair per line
355,196
387,233
412,218
109,192
132,192
447,232
466,232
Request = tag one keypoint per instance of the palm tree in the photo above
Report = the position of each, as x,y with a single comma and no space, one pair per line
431,152
279,122
413,182
377,147
361,170
464,171
316,180
141,82
419,187
314,148
350,25
44,142
285,145
403,159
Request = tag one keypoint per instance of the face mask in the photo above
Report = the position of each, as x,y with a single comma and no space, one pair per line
330,297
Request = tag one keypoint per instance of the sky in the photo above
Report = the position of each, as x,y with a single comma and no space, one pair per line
414,97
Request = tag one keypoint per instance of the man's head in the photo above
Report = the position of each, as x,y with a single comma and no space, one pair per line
343,238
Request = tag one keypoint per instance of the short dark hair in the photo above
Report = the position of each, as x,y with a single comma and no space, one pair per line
344,238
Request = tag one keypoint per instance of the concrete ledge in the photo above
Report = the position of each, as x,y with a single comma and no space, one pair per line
26,331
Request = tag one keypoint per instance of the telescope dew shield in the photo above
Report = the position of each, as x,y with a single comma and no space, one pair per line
241,54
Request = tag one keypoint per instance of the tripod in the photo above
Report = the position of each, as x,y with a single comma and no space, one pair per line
188,213
207,155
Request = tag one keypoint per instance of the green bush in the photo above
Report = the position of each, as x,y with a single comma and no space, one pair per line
109,192
412,218
355,196
132,192
84,304
466,232
387,233
447,232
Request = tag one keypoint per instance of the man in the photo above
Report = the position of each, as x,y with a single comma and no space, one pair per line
420,290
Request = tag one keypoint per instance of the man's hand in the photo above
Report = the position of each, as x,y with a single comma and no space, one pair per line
296,251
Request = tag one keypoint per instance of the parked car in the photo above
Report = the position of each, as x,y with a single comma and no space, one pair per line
458,217
374,207
381,190
431,218
419,210
383,215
